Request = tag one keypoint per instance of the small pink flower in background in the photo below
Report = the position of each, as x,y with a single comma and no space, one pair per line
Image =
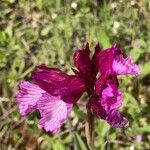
137,45
53,93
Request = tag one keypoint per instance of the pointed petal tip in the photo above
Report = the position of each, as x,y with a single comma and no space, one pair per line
86,48
98,47
87,44
98,44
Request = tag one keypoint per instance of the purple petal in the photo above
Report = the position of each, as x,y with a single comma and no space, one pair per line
72,90
116,120
95,107
82,59
54,108
28,96
49,79
94,60
105,61
54,112
48,87
107,88
57,83
112,61
51,75
111,98
124,66
103,81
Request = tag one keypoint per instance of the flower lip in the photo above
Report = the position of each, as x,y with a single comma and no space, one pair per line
53,112
27,97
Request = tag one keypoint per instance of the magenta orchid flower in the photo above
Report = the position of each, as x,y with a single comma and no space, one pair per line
54,93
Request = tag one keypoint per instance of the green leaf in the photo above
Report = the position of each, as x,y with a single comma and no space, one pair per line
101,128
145,70
103,38
79,143
129,99
80,114
45,31
135,54
39,4
58,145
145,129
9,31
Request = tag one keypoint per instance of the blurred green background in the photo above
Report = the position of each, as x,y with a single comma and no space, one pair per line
49,31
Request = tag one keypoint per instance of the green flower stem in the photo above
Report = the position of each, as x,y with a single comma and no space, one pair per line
89,129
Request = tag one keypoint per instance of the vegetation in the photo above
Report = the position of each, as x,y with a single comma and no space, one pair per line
48,31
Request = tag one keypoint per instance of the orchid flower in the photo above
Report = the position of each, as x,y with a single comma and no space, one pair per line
54,93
